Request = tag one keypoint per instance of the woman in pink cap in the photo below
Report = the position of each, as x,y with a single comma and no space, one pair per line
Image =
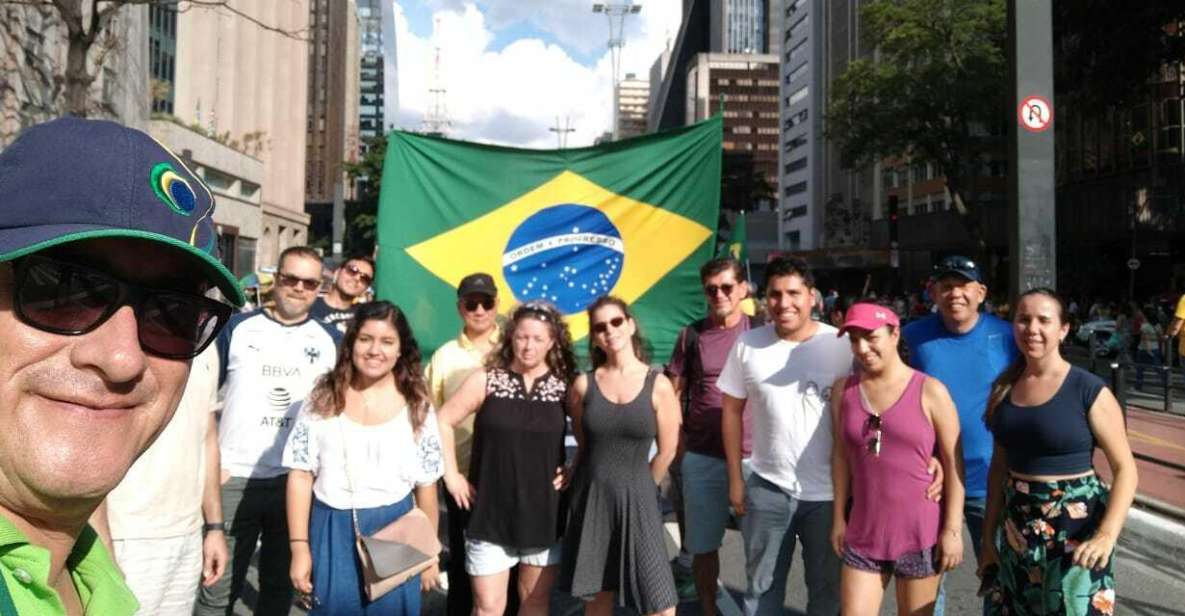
888,420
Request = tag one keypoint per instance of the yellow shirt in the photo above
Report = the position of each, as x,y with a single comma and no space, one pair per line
1180,314
451,364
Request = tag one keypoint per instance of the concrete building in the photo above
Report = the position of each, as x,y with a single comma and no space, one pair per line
390,69
248,86
802,101
630,98
373,67
33,47
745,88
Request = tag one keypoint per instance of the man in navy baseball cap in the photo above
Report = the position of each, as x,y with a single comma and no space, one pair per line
107,250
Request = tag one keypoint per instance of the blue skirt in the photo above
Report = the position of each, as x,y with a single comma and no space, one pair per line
337,580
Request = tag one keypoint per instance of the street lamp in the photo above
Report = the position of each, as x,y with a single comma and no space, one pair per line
616,14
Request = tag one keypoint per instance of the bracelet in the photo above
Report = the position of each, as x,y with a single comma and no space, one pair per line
298,541
214,526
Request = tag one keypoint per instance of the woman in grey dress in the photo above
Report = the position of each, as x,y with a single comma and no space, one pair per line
614,542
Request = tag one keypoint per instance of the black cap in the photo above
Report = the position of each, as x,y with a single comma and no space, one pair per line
477,283
958,266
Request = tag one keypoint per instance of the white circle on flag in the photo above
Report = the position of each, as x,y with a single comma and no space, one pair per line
1035,114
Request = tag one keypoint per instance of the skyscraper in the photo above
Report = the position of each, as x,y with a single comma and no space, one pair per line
371,102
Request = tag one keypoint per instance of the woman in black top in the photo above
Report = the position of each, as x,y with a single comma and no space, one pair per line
518,456
1059,522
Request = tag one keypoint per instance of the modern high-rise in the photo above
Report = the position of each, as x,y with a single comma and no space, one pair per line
630,99
333,119
390,69
372,79
742,26
802,99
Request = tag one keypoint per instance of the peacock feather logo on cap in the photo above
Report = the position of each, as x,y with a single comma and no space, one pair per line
171,188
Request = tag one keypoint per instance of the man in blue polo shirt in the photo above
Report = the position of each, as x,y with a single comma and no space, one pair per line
966,350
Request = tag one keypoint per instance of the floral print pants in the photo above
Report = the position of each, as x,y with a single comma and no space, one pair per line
1044,523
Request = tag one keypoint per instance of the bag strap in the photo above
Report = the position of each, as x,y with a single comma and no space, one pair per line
349,482
7,608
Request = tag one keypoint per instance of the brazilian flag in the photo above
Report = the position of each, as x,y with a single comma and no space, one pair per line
632,218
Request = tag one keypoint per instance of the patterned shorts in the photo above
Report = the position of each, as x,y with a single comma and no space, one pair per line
1044,521
920,564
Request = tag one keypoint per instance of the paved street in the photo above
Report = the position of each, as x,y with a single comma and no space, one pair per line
1149,585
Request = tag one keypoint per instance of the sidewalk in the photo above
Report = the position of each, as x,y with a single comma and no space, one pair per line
1158,442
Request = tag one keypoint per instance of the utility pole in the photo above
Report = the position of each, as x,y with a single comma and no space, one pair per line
1032,213
561,131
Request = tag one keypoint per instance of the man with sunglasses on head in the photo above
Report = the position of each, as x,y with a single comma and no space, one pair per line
269,360
452,363
350,282
107,246
699,355
966,350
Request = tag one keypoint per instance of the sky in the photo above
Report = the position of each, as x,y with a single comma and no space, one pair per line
510,68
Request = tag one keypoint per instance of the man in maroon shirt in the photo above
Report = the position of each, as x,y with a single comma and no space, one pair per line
699,355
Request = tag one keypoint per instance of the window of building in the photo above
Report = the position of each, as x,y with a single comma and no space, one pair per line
216,179
741,130
795,189
248,189
793,239
795,143
767,130
797,96
795,53
795,119
794,165
797,73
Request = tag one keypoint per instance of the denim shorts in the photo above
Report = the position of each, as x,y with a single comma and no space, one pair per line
920,564
705,499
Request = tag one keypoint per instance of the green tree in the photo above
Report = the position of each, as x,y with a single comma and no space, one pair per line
362,213
936,88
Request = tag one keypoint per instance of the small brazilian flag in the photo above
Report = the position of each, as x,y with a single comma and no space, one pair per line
632,218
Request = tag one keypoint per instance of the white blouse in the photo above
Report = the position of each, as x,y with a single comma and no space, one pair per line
386,460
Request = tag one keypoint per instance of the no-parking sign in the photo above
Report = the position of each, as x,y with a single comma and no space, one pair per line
1035,114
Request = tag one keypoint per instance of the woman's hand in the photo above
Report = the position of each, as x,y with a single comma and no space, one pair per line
988,557
1095,552
950,549
839,528
460,489
301,570
563,478
430,578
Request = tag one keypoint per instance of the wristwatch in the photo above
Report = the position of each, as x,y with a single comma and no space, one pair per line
213,526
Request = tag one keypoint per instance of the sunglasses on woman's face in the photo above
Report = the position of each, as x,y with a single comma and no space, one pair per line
65,298
603,326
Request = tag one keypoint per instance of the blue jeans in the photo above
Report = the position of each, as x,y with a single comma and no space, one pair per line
772,523
973,510
1148,357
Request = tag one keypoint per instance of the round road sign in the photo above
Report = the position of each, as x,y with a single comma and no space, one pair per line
1133,264
1035,114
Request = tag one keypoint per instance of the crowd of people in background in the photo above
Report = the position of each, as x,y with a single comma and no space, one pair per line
869,432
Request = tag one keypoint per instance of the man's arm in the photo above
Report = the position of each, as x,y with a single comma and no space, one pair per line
731,432
215,552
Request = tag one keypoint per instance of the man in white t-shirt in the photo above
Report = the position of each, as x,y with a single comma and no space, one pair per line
270,359
155,514
784,370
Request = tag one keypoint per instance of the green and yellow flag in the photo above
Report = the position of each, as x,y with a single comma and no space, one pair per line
633,218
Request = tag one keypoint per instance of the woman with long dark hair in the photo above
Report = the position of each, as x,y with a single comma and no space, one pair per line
1060,523
614,542
365,442
515,473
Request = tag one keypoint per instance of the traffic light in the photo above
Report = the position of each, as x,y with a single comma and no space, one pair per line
892,220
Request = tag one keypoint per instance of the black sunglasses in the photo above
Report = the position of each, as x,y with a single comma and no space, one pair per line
486,303
288,280
357,272
603,326
69,299
874,445
711,289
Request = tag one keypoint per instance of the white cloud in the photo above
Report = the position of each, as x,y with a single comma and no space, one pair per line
512,96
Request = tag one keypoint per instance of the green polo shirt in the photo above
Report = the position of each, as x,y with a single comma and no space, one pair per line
25,571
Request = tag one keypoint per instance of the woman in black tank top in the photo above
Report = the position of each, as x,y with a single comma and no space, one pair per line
614,542
518,453
1056,522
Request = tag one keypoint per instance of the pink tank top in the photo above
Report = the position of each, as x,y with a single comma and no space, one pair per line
890,515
